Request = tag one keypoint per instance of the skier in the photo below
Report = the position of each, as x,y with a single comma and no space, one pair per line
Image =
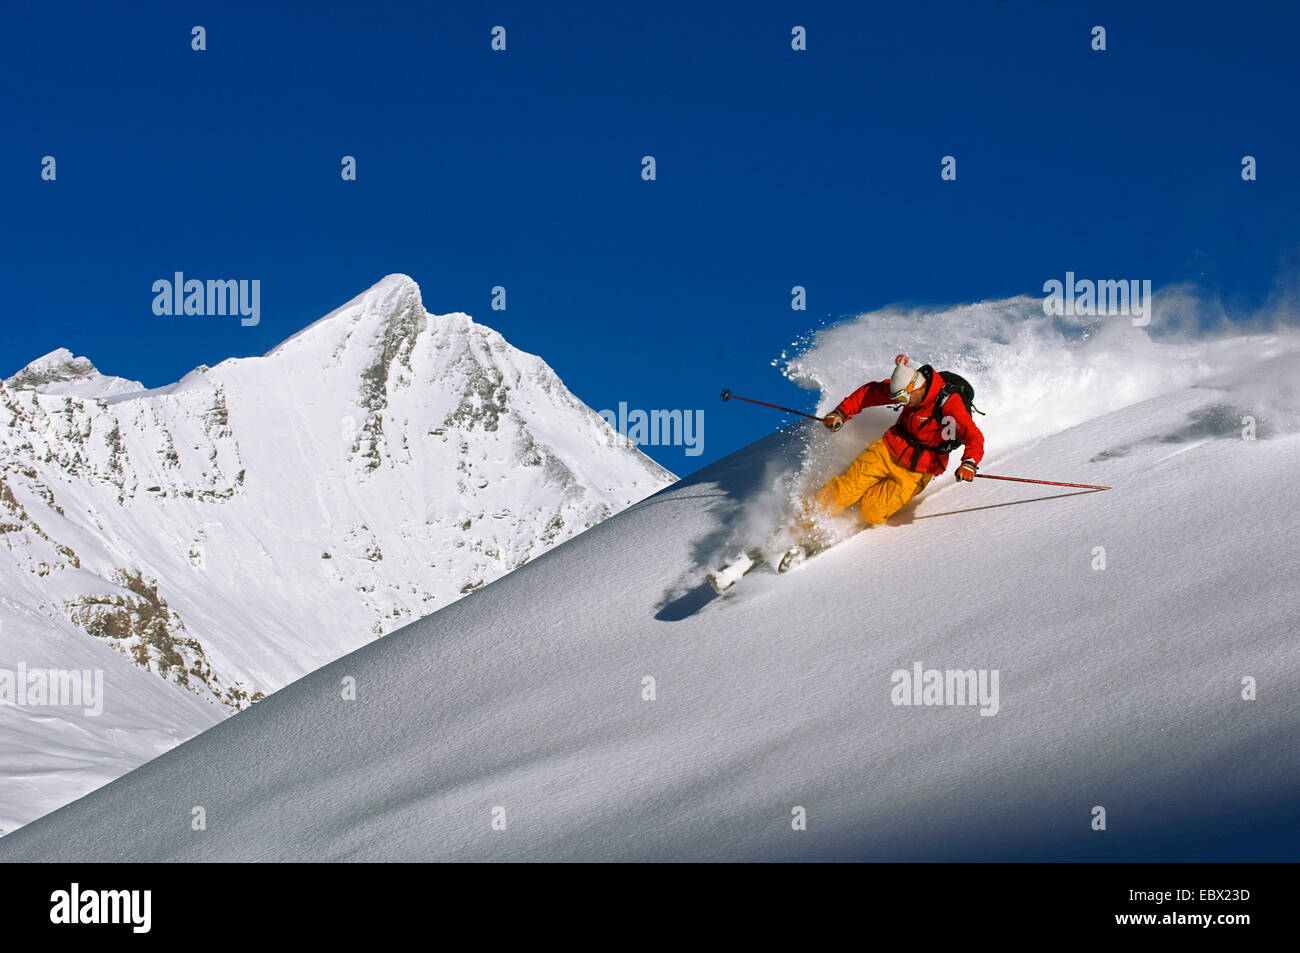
901,463
889,472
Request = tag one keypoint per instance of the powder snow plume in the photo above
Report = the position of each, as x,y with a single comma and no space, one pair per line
1036,375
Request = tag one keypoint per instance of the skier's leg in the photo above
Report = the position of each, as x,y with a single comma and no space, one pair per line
806,530
808,525
871,466
885,498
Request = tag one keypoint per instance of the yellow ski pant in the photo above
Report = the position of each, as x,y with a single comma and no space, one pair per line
875,482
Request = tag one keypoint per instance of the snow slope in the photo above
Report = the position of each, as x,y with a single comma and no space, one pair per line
49,754
1119,687
239,528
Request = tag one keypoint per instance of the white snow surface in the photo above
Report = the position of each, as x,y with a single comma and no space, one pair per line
1119,687
288,509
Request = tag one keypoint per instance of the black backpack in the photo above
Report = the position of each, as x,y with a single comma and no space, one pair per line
952,384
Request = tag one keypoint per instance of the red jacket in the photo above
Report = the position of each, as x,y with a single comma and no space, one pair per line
922,423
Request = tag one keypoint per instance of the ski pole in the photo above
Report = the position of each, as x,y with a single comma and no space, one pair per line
1086,486
728,395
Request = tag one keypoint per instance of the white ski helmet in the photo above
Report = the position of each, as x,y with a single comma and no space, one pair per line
904,380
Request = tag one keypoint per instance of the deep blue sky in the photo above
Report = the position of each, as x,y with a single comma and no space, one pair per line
522,169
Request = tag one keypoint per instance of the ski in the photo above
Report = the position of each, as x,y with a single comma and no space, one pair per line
725,577
792,557
781,561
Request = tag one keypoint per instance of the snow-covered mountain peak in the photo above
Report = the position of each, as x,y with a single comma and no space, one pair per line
60,362
60,372
393,300
375,466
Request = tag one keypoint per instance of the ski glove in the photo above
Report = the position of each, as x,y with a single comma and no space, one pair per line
833,421
966,472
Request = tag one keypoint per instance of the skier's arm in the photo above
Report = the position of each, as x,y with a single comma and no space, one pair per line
874,394
967,432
